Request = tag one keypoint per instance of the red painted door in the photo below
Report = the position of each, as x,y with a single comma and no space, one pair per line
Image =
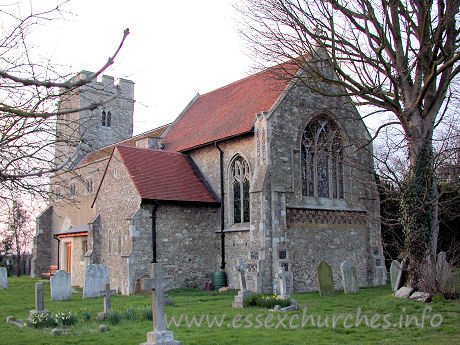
68,257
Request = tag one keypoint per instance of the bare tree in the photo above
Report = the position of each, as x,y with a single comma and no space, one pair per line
398,56
19,233
29,93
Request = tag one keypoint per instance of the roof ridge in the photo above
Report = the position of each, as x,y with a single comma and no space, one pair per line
148,149
266,69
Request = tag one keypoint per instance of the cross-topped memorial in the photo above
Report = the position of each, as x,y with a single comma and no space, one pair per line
282,275
244,292
107,302
240,268
159,336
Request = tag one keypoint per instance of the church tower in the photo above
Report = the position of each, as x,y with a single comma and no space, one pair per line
91,130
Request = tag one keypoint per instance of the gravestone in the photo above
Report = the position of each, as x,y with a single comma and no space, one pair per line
95,278
244,292
106,293
3,278
325,281
401,278
443,272
404,292
137,285
39,302
349,277
394,272
282,276
380,277
61,286
159,336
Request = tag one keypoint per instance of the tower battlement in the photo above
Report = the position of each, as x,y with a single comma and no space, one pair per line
107,84
109,123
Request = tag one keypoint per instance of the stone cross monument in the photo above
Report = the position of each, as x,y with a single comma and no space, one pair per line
244,292
282,275
159,336
39,302
240,268
106,293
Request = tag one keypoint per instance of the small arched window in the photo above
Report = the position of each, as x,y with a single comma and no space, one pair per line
106,118
322,159
239,182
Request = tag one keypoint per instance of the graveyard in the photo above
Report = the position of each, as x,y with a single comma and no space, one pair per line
240,326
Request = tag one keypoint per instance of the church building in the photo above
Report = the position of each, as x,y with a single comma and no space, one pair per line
261,169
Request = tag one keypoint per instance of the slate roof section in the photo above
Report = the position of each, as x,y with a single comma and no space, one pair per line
228,111
70,231
164,175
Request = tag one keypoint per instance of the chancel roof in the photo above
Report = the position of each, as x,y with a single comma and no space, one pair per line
228,111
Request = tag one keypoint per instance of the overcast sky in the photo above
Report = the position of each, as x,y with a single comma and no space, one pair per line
175,49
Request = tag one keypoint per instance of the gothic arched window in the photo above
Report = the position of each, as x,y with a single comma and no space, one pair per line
322,159
239,182
106,118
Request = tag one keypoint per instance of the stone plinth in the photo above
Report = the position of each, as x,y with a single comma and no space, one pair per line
238,303
161,338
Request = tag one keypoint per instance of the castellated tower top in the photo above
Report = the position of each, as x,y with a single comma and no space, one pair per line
91,130
107,84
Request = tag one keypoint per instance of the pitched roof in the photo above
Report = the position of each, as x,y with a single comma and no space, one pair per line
105,152
164,175
228,111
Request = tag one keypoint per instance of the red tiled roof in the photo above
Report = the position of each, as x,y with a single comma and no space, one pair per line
228,111
164,175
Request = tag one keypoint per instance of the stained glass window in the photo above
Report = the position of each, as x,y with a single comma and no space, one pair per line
240,185
322,170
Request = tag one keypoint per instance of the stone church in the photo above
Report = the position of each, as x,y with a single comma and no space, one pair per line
260,169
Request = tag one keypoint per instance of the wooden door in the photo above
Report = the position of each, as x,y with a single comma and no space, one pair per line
68,257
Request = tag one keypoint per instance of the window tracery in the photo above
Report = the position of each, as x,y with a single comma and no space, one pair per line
322,159
239,181
106,118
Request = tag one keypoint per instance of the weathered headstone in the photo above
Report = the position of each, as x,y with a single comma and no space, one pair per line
95,278
443,271
325,281
394,272
380,277
244,292
39,302
61,286
349,277
401,278
404,292
159,336
282,276
3,278
137,285
106,293
421,296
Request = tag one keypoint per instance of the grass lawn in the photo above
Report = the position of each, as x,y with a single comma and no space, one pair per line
249,326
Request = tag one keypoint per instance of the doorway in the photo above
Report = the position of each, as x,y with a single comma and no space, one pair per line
68,256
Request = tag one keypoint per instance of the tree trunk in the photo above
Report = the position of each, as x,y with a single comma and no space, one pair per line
419,211
18,263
